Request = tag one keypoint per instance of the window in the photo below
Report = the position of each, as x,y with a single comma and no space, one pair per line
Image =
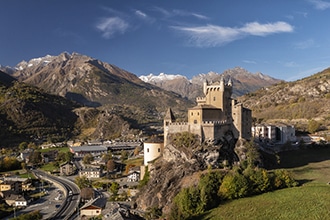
214,98
147,150
195,121
192,114
158,150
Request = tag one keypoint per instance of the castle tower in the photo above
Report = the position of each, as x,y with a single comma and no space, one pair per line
219,95
168,119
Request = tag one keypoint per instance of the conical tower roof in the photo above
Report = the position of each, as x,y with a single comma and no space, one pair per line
169,115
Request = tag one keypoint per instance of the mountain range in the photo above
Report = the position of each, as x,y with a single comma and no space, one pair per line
243,82
111,102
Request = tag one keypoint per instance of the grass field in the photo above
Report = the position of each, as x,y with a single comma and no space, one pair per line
311,200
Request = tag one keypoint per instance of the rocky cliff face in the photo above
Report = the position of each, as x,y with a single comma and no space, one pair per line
182,167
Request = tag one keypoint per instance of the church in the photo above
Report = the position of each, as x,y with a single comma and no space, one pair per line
215,114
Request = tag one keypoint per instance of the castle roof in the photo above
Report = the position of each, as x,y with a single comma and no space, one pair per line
169,115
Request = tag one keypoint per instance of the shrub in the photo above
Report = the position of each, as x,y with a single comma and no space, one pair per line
282,179
234,185
188,203
184,139
208,186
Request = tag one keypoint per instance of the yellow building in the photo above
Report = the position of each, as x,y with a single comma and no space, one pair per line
215,114
8,185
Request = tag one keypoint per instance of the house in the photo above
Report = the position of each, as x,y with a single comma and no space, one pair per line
49,156
26,182
94,150
133,176
92,208
24,155
10,185
90,173
274,133
16,200
67,169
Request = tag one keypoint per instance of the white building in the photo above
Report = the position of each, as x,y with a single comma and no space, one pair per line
277,134
90,173
133,176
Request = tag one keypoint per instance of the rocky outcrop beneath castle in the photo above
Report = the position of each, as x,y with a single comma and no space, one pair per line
181,167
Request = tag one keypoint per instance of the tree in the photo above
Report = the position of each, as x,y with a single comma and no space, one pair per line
69,156
188,202
111,165
60,157
208,186
22,146
35,158
87,193
282,178
124,155
259,179
32,146
234,185
88,158
107,156
82,182
114,188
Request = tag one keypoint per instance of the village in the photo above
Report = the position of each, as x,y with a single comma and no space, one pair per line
109,173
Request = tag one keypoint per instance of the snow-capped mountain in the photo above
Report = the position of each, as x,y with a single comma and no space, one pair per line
243,82
7,69
34,62
161,77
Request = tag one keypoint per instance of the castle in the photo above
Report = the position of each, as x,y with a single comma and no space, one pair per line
214,115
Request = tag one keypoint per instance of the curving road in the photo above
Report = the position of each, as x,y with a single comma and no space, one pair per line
71,195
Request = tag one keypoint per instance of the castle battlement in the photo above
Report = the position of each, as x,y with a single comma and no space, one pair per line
178,123
201,99
214,122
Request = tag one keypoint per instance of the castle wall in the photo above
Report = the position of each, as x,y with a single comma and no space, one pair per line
214,130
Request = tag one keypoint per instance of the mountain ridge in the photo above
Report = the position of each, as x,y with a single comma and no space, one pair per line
243,81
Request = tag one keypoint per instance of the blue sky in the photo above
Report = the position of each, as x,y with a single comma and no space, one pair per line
287,40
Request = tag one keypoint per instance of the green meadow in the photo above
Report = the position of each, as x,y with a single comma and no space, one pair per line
310,200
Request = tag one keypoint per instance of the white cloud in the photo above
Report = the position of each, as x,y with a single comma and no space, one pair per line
254,28
141,14
212,35
112,25
320,4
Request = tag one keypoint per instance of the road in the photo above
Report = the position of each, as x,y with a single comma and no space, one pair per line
71,198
